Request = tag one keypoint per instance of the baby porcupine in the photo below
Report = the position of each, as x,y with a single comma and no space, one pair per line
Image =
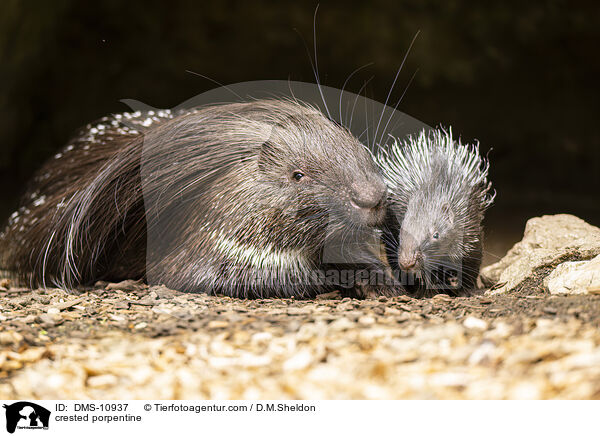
439,192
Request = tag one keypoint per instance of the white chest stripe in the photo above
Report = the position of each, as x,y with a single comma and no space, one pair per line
264,258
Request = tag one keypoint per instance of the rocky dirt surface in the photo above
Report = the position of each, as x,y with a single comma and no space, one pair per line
128,341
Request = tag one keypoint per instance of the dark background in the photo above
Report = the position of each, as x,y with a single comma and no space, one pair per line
522,77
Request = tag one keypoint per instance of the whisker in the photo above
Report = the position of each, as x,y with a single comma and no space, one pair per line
317,62
396,107
356,100
342,121
394,82
216,83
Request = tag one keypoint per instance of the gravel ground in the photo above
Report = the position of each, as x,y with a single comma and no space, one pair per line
125,341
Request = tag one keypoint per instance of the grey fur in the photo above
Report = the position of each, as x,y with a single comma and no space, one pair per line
438,193
213,189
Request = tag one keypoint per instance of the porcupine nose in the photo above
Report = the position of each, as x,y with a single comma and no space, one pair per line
408,259
407,264
368,196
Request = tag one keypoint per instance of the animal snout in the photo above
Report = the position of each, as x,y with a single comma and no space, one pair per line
408,261
368,196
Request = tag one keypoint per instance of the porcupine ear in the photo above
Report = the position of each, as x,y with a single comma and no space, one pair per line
266,156
448,213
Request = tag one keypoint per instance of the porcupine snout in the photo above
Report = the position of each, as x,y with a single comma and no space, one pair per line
409,254
369,198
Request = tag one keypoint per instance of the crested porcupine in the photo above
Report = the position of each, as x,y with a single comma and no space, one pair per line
438,196
238,199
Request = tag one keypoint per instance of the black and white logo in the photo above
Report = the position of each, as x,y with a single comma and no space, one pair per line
24,415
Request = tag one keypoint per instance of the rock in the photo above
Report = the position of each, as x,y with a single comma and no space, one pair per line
575,277
126,285
218,324
102,381
163,292
547,242
67,304
475,323
334,295
122,304
367,319
117,318
49,320
298,361
441,297
148,300
10,338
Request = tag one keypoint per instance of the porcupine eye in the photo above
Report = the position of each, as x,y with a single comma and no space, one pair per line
435,236
297,176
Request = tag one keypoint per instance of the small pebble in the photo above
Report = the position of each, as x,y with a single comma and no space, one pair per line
10,338
475,323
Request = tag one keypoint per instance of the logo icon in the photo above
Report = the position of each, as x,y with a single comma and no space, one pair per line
26,415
